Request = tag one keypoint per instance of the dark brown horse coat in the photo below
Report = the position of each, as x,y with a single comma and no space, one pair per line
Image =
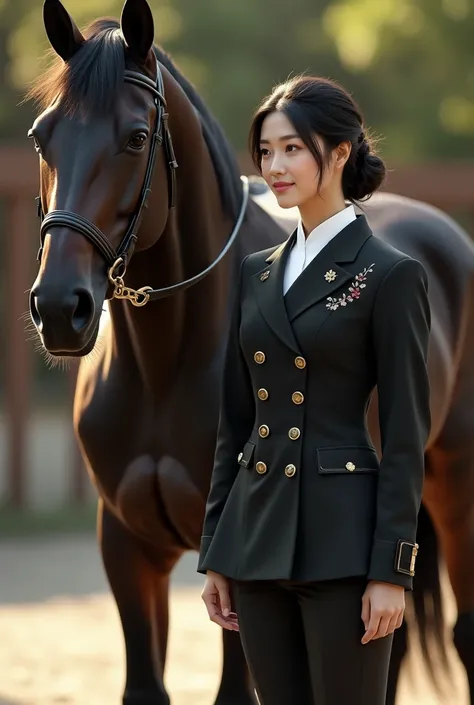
297,491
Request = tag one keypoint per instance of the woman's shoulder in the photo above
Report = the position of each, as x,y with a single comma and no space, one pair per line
255,261
391,259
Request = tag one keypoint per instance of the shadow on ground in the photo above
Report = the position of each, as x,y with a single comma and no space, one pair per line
33,571
4,701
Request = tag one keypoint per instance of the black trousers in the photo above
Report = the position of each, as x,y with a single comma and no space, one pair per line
302,643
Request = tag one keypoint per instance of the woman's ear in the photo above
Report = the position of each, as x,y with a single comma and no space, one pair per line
342,154
61,29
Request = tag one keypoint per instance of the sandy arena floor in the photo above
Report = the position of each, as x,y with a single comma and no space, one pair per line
61,643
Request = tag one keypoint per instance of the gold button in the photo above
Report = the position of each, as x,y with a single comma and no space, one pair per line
290,470
259,357
261,468
239,457
263,431
300,362
262,394
350,466
294,433
297,398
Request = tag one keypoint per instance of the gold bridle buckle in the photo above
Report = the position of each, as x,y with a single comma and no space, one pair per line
137,297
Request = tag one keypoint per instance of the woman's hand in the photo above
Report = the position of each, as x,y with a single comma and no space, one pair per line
383,607
216,596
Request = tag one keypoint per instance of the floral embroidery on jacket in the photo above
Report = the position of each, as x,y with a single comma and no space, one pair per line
354,290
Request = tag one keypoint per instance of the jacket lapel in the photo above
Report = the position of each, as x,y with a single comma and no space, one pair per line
268,285
320,278
325,274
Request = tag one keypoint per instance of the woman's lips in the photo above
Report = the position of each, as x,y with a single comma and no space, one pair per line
281,186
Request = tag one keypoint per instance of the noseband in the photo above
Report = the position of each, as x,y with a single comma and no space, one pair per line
117,260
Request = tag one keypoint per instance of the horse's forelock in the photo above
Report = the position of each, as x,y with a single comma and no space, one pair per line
91,80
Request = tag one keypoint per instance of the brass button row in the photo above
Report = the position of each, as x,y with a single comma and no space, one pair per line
260,358
296,397
264,431
261,468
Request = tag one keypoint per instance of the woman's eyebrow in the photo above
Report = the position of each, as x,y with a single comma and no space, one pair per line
282,139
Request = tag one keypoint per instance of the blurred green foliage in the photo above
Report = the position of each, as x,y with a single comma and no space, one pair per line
409,63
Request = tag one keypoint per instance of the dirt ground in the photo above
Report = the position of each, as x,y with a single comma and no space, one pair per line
61,643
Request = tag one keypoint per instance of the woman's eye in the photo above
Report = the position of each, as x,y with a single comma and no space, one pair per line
138,140
292,147
264,152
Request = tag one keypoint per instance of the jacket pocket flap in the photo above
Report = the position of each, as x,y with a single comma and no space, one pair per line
348,460
246,456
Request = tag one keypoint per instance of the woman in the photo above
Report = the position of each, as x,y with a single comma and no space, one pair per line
310,533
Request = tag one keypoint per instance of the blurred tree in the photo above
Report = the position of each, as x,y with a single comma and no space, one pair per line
408,62
415,58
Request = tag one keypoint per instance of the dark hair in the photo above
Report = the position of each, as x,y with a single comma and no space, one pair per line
319,106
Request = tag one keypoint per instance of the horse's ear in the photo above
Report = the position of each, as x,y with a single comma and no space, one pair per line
138,27
62,31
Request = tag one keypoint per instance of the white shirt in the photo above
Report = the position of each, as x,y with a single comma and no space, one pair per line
305,249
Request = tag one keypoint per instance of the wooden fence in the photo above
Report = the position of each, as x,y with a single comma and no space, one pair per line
447,186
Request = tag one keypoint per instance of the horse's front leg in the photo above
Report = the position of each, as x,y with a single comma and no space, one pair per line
183,505
235,687
141,595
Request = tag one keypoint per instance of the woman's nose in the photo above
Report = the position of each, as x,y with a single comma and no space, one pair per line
277,166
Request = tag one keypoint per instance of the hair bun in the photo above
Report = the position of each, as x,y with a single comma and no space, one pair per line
368,174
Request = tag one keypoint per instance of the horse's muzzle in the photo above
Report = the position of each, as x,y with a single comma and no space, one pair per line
65,322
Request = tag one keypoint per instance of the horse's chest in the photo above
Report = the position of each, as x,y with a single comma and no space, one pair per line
118,419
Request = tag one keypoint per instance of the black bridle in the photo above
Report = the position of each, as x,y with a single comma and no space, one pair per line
117,260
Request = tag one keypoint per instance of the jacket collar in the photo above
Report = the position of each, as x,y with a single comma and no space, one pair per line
316,282
344,246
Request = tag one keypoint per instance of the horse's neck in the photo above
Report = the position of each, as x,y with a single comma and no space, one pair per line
181,333
176,337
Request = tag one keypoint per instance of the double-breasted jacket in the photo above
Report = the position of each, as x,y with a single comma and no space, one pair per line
298,490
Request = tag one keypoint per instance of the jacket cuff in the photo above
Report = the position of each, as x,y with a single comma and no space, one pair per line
205,543
393,562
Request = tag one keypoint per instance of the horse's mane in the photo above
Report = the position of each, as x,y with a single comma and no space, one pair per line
92,79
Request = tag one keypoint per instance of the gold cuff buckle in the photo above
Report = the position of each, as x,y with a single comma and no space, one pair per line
414,552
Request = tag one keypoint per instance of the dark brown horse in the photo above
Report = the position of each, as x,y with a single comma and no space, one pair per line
132,163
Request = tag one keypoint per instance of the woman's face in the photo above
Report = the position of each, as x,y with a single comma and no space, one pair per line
287,165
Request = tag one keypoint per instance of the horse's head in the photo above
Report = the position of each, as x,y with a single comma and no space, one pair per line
103,125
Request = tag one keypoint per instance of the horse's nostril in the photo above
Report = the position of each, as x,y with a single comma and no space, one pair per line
34,311
83,312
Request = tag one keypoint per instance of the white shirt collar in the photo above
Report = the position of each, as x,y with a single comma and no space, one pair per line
323,233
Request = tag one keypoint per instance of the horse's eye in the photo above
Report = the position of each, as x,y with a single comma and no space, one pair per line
138,140
35,142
